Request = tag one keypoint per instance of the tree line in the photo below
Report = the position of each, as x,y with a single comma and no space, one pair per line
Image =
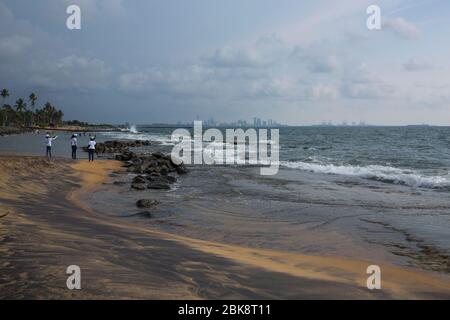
25,114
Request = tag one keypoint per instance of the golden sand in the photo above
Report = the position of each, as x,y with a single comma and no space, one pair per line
403,283
122,259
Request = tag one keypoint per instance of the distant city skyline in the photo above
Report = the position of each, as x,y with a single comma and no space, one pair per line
257,122
267,124
210,122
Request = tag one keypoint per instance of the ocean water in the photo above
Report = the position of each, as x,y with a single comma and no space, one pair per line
416,156
375,193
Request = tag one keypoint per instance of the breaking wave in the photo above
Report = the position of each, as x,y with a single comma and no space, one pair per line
376,172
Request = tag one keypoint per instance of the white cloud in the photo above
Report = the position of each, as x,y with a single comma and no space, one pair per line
14,45
317,58
323,92
133,81
414,65
401,27
192,80
73,71
362,83
321,64
321,20
91,8
5,13
229,57
366,90
280,87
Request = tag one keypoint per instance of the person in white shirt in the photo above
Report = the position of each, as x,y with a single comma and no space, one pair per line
48,143
91,148
74,144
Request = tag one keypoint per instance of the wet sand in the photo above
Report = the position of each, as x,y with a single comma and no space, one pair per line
46,225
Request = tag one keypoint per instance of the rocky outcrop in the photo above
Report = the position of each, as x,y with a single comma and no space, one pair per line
138,186
156,162
147,203
139,183
117,146
153,171
139,179
158,182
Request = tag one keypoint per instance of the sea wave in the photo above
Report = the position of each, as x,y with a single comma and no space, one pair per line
162,139
386,174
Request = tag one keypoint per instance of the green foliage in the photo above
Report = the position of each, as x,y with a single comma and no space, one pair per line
19,115
4,93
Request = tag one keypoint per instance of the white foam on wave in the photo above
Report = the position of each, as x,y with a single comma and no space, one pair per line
164,140
133,129
375,172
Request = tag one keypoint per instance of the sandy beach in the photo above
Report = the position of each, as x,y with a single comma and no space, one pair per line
47,224
278,150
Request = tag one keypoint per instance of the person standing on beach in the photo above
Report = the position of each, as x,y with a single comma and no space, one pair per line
48,142
74,144
91,148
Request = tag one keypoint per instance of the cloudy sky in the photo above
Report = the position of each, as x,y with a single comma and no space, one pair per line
298,62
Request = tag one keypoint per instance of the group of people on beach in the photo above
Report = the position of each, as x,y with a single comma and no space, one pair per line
73,143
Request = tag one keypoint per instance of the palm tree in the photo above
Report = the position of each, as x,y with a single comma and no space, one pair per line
50,115
33,98
58,117
39,117
5,93
21,107
28,117
7,110
48,111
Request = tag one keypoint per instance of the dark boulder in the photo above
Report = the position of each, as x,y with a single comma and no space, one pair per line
171,179
127,164
158,155
181,169
120,147
136,169
158,167
151,170
158,186
138,186
139,179
158,183
164,170
146,203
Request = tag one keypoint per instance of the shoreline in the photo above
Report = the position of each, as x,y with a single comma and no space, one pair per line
22,130
336,215
76,129
201,269
13,130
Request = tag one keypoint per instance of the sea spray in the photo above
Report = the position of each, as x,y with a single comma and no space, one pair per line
194,151
387,174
